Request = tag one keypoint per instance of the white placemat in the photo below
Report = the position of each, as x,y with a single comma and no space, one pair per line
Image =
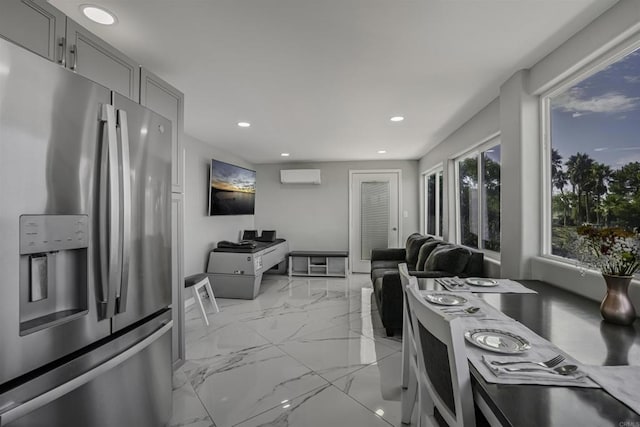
621,382
486,311
541,350
504,286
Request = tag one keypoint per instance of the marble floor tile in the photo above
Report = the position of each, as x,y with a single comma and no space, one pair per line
323,407
221,340
378,387
240,385
335,352
292,325
302,346
188,410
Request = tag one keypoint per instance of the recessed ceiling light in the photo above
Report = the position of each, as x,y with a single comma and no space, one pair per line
244,124
285,154
98,14
396,118
382,151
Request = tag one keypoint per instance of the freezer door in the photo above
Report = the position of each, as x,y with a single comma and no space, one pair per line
124,382
50,137
145,142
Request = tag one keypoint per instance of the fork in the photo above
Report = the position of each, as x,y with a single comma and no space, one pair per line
551,363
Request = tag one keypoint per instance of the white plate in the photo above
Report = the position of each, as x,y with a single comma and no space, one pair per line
480,281
497,340
445,299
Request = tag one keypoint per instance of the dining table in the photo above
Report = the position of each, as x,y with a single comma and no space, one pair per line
573,324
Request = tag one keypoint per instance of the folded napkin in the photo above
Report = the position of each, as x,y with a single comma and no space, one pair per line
533,372
453,284
621,382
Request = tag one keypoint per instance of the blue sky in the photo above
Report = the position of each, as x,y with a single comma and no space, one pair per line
600,115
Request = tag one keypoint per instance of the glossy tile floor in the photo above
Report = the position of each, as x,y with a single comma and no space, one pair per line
307,352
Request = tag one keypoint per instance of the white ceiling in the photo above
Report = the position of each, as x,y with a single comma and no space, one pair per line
321,78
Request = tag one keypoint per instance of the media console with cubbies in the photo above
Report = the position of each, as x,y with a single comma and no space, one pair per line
319,263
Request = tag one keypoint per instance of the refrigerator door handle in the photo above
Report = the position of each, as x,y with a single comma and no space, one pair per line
109,236
125,211
25,408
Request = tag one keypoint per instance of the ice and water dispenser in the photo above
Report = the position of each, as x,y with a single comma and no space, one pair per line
53,270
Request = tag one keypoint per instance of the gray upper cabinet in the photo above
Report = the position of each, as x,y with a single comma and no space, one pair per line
91,57
164,99
34,25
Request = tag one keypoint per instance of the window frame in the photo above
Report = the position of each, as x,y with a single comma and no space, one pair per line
477,151
599,64
436,170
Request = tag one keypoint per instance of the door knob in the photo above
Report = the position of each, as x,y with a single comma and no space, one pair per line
394,229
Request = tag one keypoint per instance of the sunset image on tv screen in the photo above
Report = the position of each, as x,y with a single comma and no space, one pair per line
232,189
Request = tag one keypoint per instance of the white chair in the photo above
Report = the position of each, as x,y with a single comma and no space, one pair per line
203,283
409,349
444,384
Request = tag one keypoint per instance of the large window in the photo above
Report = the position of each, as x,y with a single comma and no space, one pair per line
433,203
594,141
478,187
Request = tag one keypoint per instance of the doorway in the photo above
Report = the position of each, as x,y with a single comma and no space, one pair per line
374,214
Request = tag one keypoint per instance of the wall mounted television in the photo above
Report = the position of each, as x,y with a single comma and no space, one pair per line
232,189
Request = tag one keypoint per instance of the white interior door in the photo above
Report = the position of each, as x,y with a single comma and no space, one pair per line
375,207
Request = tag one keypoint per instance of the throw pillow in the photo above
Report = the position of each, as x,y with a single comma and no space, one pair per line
426,250
413,247
411,238
452,259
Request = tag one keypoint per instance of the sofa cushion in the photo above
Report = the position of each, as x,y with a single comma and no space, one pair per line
413,248
381,272
385,264
475,266
426,250
448,258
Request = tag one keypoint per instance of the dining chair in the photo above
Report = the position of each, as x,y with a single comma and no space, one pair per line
409,352
445,396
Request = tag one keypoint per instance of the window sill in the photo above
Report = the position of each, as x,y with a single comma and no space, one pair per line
564,274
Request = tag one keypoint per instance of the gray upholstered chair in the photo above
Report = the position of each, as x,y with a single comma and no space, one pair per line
409,349
444,385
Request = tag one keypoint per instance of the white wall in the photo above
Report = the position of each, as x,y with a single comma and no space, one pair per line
202,232
520,176
316,217
516,116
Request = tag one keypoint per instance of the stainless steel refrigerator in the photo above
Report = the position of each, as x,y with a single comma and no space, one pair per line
85,251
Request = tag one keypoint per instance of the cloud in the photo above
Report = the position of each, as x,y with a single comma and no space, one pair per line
575,101
627,159
574,115
632,79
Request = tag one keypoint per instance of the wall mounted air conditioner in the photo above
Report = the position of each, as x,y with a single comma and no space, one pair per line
300,176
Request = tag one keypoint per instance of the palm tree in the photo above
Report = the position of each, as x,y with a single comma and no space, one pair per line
559,182
556,162
601,175
578,172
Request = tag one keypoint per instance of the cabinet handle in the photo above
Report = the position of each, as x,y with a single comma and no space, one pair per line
73,50
62,45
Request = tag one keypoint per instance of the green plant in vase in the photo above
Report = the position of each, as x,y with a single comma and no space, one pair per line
616,253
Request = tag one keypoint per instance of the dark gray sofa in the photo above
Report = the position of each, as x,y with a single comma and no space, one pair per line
425,256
